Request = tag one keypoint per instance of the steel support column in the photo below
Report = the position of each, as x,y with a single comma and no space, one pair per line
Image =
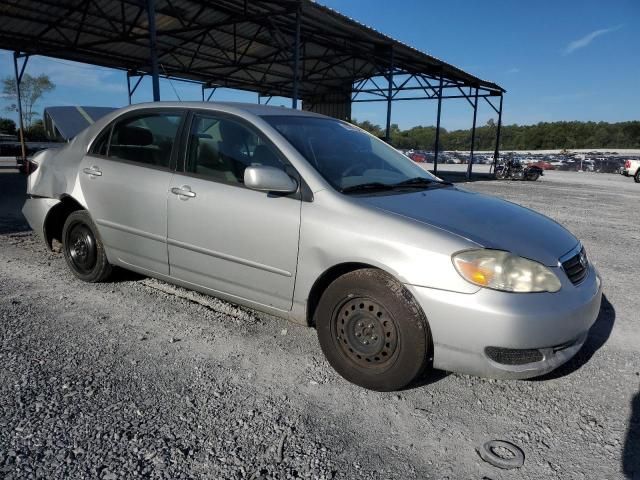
18,80
387,134
473,134
213,89
496,153
296,58
436,147
131,91
153,49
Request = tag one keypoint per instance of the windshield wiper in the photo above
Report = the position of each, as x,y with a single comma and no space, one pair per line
419,182
363,187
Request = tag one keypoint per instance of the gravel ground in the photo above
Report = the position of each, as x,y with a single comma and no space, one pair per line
136,378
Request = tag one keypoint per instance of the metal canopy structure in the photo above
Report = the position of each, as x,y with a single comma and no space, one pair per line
291,48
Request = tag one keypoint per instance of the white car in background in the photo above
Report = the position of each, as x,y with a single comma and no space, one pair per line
632,169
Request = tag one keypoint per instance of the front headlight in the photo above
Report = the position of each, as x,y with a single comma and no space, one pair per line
504,271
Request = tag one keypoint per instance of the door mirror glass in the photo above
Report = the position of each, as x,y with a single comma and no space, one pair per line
269,179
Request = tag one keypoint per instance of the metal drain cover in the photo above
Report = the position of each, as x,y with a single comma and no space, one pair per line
501,454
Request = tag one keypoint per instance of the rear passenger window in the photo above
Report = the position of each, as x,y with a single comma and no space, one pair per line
221,149
146,139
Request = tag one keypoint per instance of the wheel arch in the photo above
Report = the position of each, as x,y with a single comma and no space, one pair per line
332,273
54,221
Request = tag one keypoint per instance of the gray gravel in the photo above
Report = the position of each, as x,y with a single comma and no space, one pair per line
137,378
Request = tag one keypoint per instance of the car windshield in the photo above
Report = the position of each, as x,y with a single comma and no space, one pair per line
349,158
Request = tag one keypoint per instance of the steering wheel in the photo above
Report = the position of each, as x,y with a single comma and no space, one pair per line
351,168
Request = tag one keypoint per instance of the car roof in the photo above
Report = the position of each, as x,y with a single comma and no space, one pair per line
231,107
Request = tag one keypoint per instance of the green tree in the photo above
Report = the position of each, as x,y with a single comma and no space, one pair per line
32,89
7,126
36,132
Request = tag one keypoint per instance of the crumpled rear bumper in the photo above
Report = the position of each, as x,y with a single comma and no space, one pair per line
35,211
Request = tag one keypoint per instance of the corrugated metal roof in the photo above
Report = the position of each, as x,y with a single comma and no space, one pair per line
234,43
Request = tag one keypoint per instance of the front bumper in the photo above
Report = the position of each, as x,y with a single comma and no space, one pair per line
465,327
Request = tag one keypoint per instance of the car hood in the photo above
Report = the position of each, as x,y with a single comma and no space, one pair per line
485,220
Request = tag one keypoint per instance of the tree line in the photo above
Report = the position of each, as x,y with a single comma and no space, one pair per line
542,136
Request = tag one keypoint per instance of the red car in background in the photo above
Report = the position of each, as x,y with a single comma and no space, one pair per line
543,165
417,157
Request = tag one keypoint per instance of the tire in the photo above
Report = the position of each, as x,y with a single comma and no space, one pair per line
83,249
532,177
636,177
501,174
372,331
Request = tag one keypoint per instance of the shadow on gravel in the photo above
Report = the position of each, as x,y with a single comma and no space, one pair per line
121,275
631,453
598,336
428,378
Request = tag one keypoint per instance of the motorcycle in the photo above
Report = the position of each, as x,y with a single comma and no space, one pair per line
514,170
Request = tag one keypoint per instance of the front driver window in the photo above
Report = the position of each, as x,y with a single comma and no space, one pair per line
221,149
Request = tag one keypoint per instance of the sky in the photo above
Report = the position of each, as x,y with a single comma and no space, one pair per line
558,60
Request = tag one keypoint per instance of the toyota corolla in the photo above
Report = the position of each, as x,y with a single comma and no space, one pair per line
314,220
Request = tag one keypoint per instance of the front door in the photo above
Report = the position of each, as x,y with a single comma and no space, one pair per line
223,236
125,180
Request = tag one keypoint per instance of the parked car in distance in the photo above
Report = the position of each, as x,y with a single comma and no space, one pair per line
312,219
543,165
418,157
632,169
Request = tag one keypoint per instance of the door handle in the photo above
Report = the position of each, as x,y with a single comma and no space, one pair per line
184,192
93,171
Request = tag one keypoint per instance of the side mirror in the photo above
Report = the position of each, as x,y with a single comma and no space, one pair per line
269,179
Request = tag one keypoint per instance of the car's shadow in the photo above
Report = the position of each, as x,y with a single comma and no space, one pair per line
598,336
121,275
631,452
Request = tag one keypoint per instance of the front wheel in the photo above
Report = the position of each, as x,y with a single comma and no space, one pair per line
372,331
636,177
83,249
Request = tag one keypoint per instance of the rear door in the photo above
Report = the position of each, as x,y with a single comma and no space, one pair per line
223,236
125,181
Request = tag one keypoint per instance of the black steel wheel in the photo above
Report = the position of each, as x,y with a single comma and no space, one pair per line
365,332
83,249
372,331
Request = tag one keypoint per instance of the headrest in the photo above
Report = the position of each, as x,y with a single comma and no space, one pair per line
265,156
232,133
130,135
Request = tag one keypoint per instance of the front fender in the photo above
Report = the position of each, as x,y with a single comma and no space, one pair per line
335,232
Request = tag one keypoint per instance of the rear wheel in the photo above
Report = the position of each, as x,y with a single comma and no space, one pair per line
636,177
501,173
83,249
372,331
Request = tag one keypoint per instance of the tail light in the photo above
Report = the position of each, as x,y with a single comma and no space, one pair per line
627,164
28,167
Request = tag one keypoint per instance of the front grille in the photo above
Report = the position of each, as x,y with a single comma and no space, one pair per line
512,356
577,267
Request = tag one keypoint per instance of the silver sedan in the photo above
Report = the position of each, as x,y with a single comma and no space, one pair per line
312,219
